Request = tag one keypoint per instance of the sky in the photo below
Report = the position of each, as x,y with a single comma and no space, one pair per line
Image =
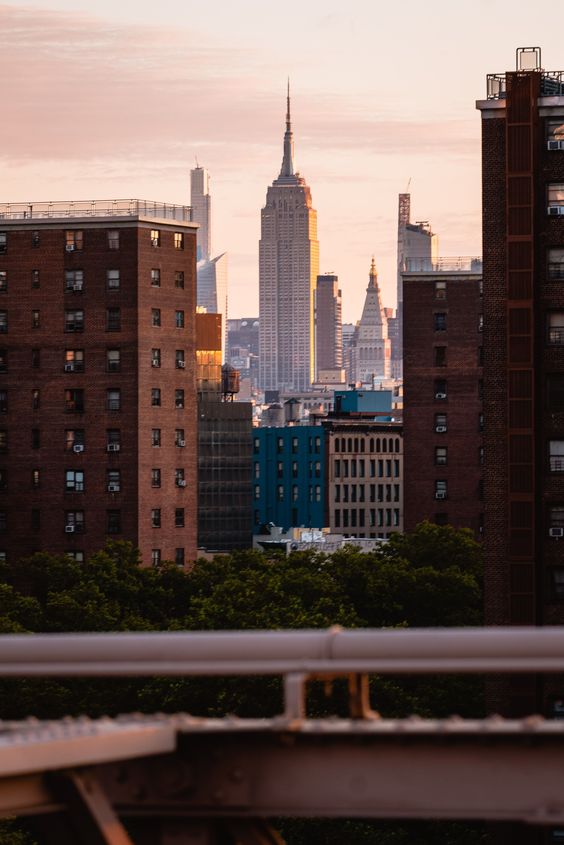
114,99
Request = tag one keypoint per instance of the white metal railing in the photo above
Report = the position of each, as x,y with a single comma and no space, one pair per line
95,208
282,652
442,264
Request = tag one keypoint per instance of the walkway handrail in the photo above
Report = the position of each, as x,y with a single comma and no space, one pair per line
334,650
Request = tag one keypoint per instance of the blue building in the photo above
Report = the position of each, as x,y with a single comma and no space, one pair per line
289,477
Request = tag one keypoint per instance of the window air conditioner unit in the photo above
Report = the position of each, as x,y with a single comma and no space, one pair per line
113,488
69,247
69,368
181,443
155,241
556,532
440,429
555,210
180,365
113,447
440,396
181,482
78,447
77,286
555,145
69,529
155,362
440,494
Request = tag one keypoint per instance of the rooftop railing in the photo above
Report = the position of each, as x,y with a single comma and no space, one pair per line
95,208
444,264
552,84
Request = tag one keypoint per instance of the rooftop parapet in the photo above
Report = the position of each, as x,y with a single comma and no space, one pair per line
444,264
552,84
95,208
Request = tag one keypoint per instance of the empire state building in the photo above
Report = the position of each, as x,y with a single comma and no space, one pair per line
288,269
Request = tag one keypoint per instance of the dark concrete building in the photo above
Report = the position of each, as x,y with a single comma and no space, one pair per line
523,231
328,325
224,447
97,386
443,421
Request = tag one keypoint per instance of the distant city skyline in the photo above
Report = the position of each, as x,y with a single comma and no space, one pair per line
379,95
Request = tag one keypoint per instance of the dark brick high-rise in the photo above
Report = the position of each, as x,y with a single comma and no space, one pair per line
523,230
97,379
442,368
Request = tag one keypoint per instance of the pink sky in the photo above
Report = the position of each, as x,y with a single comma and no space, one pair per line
116,100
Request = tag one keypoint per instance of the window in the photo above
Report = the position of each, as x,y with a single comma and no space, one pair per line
155,477
113,480
555,197
179,517
179,359
556,455
3,322
155,317
3,521
256,445
112,280
480,422
441,423
179,240
74,401
74,481
113,319
556,264
74,241
155,278
179,279
556,516
257,491
294,492
295,467
3,441
35,438
440,388
74,437
441,455
555,392
179,479
280,493
556,328
179,437
74,320
441,490
113,360
480,356
155,396
155,437
35,319
156,557
440,290
3,281
113,399
178,398
113,521
280,469
179,319
113,239
3,478
440,353
74,520
35,399
3,360
35,519
279,444
179,557
156,517
440,322
73,361
35,278
74,280
35,239
317,493
113,439
155,237
3,242
155,357
480,322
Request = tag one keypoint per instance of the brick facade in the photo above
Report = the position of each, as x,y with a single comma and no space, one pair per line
110,320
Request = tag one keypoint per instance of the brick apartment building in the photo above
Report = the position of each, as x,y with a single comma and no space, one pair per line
97,379
443,420
523,231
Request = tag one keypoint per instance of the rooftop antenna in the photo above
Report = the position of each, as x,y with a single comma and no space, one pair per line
197,165
408,184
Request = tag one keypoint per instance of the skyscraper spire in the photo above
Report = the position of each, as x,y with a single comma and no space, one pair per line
373,275
287,168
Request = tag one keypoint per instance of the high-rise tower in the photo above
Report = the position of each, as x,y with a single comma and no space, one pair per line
288,268
328,326
212,272
371,354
